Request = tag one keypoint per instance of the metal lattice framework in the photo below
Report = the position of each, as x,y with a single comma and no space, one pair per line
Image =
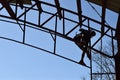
16,13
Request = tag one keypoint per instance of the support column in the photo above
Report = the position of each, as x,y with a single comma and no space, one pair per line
104,2
117,56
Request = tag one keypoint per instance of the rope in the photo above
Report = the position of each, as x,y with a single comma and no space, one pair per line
96,11
94,8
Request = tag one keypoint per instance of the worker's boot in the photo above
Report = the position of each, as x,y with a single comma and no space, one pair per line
82,63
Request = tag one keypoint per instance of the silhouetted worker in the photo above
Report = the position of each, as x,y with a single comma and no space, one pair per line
82,40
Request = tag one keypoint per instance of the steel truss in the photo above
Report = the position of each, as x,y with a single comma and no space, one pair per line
14,17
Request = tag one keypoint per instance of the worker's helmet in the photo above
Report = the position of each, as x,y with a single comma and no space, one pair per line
93,33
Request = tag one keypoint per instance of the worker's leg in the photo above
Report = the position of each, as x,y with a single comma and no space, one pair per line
88,54
86,49
82,59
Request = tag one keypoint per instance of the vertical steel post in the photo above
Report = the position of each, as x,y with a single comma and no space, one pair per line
117,56
79,12
24,30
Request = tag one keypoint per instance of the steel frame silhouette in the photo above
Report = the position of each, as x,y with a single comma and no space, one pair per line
21,20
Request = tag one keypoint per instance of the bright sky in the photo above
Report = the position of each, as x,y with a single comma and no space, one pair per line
20,62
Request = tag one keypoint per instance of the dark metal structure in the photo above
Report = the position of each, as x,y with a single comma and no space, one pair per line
15,16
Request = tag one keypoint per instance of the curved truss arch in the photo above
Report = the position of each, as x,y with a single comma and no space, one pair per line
59,27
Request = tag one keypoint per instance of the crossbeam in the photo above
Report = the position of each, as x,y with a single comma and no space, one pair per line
8,8
20,1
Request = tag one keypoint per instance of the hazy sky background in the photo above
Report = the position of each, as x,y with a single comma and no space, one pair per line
20,62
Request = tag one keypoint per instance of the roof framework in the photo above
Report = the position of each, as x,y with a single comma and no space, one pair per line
22,21
22,1
113,5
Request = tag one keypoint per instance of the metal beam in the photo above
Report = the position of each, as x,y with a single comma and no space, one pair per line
103,15
113,5
38,3
20,3
117,56
58,8
79,11
8,8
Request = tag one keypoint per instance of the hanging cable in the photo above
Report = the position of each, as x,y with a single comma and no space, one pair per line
94,8
96,11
